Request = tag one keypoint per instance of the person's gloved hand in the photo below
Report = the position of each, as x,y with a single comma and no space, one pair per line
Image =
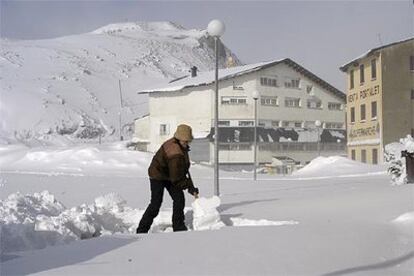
193,191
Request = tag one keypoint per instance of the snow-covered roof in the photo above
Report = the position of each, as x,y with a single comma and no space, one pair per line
206,78
344,67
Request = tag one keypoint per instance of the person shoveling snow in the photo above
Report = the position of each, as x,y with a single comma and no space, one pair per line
169,169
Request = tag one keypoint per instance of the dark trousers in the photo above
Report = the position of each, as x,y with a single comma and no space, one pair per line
157,192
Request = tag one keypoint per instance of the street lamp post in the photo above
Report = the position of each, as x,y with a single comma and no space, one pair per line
255,95
288,140
338,142
318,125
216,29
288,153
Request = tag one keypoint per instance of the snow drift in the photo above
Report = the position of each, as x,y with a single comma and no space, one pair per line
396,161
40,220
113,158
336,166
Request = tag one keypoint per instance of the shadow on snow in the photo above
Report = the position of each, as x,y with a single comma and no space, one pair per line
54,257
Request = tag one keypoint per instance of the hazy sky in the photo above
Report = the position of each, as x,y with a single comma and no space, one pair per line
319,35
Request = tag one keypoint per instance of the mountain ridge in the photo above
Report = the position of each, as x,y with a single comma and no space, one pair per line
70,87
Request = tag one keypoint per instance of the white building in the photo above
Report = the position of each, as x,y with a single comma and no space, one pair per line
291,100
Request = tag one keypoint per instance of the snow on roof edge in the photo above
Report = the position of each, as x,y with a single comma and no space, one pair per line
205,79
344,67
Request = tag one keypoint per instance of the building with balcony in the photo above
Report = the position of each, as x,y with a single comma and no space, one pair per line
291,100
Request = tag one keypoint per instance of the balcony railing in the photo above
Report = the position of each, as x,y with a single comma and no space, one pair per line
283,146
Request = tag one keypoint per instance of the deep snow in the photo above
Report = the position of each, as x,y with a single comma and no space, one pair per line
70,85
317,222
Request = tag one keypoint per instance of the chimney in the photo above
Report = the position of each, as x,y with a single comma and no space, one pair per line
193,71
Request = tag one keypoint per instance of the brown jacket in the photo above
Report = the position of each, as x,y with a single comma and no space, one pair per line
171,162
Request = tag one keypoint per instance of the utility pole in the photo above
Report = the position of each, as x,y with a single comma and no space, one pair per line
256,97
216,127
120,110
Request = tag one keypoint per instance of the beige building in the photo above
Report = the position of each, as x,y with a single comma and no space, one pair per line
292,99
380,99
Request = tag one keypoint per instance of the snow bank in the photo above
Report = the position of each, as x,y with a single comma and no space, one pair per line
36,221
40,220
205,214
81,159
405,223
407,218
396,162
336,166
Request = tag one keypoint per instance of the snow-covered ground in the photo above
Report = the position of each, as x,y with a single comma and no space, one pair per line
81,205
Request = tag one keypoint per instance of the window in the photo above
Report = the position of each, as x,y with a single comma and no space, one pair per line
309,89
373,69
246,123
270,101
292,102
374,156
298,124
333,125
295,83
266,81
361,74
234,100
353,154
351,79
275,123
292,83
235,147
224,123
363,115
334,106
309,124
373,110
241,101
412,94
412,63
236,87
225,100
164,129
352,114
312,104
364,156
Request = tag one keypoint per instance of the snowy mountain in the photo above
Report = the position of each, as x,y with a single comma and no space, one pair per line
68,88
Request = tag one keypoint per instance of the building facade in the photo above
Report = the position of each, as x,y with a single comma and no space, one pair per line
380,94
291,100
